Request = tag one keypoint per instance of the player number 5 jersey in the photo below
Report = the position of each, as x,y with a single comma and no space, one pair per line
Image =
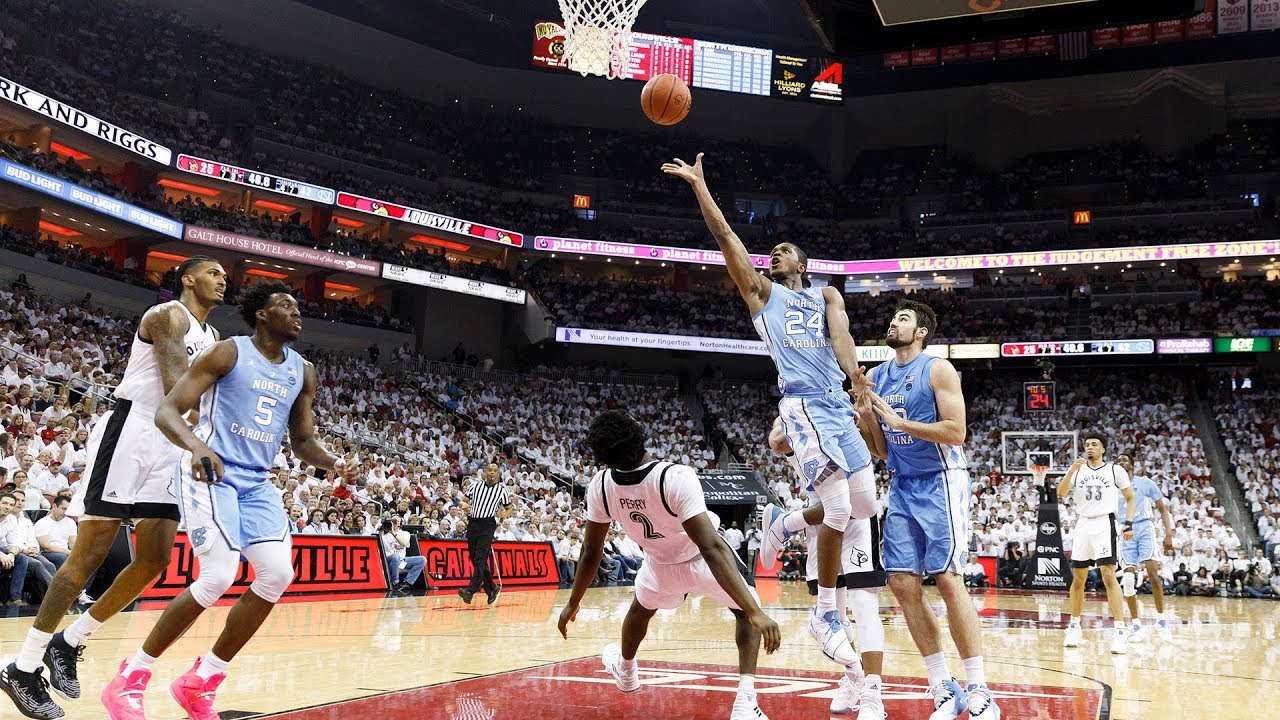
1096,491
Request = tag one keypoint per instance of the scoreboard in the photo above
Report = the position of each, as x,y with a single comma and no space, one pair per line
711,65
255,179
1078,347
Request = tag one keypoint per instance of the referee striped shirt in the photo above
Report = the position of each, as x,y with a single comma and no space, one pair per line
485,499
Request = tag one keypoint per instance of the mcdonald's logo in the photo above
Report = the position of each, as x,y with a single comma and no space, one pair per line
582,202
1081,217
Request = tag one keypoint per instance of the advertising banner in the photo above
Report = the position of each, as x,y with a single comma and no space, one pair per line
321,564
733,488
84,197
1050,564
83,121
413,276
281,251
514,563
435,221
1147,253
1237,345
1183,346
694,343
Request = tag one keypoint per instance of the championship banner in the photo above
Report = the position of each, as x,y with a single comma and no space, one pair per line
733,488
435,221
83,121
1264,15
281,251
1233,16
1050,573
322,564
514,563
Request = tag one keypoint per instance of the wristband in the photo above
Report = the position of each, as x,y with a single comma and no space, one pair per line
1128,524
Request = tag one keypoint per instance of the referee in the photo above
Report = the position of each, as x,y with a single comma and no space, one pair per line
488,500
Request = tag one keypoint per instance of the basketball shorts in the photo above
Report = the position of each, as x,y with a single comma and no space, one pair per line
926,528
242,509
860,561
664,587
1142,547
823,432
129,467
1094,541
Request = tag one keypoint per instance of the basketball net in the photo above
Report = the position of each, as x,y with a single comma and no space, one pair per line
1039,473
597,35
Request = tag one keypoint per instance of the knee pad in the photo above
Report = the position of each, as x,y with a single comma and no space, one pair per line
217,572
862,494
864,603
835,504
1129,584
272,569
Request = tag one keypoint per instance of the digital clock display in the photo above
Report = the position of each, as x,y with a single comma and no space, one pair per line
1078,347
253,178
1039,396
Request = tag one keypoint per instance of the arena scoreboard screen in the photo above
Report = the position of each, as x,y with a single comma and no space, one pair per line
897,12
711,65
1078,347
1039,396
256,179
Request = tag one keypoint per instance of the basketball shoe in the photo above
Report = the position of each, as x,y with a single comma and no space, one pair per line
981,703
1137,633
745,707
871,705
775,536
29,693
1074,637
846,697
612,659
122,697
828,630
1120,642
948,700
1162,629
195,694
61,658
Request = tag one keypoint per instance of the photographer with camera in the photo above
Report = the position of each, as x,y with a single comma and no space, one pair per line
1010,571
395,543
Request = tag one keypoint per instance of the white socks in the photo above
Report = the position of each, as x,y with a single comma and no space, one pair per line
826,600
746,684
936,664
794,522
80,630
140,661
32,655
974,671
211,665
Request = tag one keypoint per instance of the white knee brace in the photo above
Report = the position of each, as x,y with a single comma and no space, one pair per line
272,569
218,568
864,603
834,495
862,494
1129,583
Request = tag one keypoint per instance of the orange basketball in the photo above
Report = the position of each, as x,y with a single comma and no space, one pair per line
666,99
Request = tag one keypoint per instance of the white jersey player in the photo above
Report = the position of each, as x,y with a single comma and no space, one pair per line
862,575
1095,486
129,474
661,506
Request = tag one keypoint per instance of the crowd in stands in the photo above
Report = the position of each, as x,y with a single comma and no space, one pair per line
1246,418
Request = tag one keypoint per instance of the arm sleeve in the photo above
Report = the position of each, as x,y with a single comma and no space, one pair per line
595,501
684,493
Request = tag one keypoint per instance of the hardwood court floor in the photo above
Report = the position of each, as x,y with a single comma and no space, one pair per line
435,657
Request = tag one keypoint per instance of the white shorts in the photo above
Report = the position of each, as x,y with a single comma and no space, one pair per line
664,587
861,565
1094,542
129,467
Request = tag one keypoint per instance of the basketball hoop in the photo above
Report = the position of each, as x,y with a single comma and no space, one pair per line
597,35
1039,473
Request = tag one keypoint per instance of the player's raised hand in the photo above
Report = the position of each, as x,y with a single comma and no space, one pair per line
1079,463
206,466
567,615
888,416
770,635
691,174
860,383
348,470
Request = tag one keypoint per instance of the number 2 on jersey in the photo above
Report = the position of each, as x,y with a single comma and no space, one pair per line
796,323
649,534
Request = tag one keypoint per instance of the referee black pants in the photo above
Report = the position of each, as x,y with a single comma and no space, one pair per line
479,543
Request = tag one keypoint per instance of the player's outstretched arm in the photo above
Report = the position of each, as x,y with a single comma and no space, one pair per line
723,564
588,566
753,287
842,344
212,364
302,430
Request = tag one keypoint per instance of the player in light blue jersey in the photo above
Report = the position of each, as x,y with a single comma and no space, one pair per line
1141,550
807,333
251,391
915,420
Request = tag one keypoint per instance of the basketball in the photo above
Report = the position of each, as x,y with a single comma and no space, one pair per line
666,99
